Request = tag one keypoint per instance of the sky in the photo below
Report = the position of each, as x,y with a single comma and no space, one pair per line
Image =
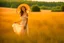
50,0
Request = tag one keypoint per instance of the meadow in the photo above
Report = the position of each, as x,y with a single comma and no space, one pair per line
44,27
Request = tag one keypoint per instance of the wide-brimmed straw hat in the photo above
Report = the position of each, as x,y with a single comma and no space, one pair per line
19,8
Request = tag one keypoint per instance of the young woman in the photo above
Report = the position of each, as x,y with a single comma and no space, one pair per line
24,16
22,25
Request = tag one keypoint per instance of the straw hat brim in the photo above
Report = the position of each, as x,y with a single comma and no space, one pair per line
19,8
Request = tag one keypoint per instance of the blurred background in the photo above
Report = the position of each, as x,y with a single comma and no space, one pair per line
45,21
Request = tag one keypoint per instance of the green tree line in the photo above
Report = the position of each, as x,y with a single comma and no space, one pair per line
43,5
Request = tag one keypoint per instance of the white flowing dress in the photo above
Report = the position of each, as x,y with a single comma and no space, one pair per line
19,28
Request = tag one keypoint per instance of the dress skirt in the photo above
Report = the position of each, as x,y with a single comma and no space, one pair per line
19,28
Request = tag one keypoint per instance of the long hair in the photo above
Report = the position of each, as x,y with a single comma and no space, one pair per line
22,12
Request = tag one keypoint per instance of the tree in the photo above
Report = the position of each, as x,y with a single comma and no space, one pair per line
62,7
35,8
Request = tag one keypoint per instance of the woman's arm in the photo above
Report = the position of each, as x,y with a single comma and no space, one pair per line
26,24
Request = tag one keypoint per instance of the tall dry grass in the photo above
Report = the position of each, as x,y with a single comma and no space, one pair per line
44,27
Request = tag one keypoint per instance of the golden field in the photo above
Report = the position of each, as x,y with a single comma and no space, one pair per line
44,27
